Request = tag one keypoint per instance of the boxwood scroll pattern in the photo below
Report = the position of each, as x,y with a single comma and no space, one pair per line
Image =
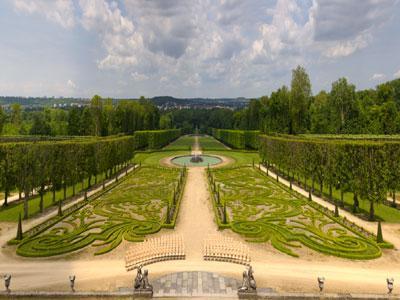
263,211
140,205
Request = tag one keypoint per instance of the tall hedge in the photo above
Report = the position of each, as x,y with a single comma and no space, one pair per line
368,169
60,163
238,139
155,139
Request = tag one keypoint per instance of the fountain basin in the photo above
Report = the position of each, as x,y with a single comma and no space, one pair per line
201,161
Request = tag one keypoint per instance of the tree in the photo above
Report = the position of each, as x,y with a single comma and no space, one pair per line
319,112
96,110
40,125
87,125
342,103
300,96
379,236
19,229
276,109
2,119
16,114
166,121
74,121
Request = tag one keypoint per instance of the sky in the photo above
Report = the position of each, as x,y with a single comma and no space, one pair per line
193,48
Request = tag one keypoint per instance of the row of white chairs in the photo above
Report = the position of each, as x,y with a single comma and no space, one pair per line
169,247
226,250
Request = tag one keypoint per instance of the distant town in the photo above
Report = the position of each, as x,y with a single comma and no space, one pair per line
162,102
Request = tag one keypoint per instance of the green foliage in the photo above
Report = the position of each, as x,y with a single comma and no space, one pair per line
368,169
262,211
137,206
379,236
19,229
208,143
155,139
183,143
300,97
237,139
55,163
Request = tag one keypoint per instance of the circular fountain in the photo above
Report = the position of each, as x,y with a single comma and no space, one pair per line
196,160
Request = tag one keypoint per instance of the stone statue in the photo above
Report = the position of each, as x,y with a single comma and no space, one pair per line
248,283
245,282
145,281
7,282
139,277
72,282
141,283
252,281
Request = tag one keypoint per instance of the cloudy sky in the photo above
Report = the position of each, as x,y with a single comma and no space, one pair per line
192,48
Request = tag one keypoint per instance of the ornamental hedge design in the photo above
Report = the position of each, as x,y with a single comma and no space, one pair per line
141,204
264,211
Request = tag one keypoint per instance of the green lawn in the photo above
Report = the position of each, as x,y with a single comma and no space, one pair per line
153,158
239,157
210,143
137,206
183,143
264,211
382,211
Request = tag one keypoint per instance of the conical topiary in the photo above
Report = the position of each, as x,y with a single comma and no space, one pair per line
379,236
60,208
224,214
19,229
168,214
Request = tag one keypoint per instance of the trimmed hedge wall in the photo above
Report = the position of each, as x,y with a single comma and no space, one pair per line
155,139
368,169
52,165
238,139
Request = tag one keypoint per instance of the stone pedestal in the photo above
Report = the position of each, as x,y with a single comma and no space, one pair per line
143,293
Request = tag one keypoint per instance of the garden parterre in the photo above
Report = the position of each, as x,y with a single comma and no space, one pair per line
262,210
142,204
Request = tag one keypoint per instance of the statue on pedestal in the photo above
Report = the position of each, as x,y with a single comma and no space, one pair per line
249,283
7,282
141,283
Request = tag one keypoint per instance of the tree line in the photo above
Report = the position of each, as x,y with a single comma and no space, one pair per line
368,169
54,165
100,118
342,110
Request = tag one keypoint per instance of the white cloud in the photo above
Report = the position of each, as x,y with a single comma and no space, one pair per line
378,76
117,33
285,34
139,77
71,84
346,48
181,44
58,11
397,74
343,27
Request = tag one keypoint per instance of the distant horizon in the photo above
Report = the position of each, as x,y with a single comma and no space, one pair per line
195,48
124,98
